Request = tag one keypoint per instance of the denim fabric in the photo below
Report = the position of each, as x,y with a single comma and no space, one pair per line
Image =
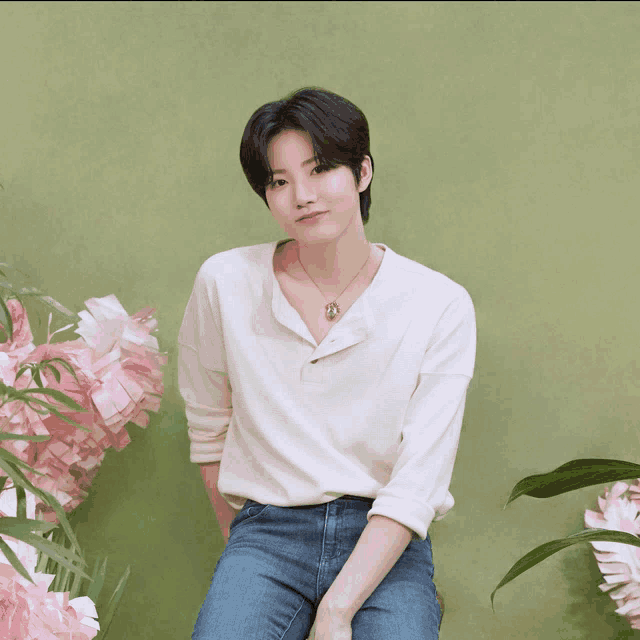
280,561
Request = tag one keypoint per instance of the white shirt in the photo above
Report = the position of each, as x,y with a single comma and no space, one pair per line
374,410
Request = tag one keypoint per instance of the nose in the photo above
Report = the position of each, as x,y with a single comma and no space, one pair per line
304,193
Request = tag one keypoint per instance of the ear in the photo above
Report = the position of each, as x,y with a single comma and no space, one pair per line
366,174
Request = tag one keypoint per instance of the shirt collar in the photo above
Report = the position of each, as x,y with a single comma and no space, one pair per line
358,322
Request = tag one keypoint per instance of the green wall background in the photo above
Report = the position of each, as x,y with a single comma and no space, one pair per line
505,138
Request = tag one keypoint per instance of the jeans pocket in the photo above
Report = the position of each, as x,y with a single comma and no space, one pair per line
250,511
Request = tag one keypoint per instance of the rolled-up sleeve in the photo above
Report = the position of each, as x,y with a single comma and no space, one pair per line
418,489
202,372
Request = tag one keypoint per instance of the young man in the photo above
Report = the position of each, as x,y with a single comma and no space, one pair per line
325,380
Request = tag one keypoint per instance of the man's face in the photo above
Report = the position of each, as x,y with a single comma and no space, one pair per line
301,186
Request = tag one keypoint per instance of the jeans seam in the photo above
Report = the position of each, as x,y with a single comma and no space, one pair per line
292,620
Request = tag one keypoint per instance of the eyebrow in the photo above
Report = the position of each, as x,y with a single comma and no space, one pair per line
305,162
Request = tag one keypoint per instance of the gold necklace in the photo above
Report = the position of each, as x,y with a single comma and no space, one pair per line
332,309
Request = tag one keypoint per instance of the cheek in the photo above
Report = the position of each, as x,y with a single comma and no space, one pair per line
338,184
274,201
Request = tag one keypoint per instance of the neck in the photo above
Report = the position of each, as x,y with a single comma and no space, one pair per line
335,263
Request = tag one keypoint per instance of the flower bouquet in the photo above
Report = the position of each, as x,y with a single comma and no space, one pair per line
61,406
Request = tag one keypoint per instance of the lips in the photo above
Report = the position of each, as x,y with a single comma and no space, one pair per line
311,215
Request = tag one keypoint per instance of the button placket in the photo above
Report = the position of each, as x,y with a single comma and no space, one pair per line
315,371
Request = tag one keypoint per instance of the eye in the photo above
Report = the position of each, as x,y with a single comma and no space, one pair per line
275,184
321,168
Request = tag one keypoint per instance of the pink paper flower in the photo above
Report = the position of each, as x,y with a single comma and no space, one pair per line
118,367
28,611
126,361
14,607
619,563
67,445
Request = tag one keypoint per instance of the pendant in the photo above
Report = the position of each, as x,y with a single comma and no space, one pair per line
332,310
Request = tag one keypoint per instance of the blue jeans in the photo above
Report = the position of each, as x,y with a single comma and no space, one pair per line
280,561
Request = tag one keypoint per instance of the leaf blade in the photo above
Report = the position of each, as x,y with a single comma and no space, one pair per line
60,554
20,479
14,560
99,574
576,474
62,398
10,524
547,549
19,436
7,322
114,601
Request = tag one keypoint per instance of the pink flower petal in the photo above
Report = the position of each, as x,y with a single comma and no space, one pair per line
619,564
631,607
594,520
119,379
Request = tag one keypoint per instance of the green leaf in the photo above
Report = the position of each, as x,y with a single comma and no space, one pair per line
54,584
547,549
19,436
74,588
20,479
37,378
5,318
573,475
68,420
49,301
8,457
63,556
3,481
51,566
21,503
49,408
62,398
54,371
99,574
113,603
22,369
56,550
14,560
66,365
61,580
41,565
19,525
60,554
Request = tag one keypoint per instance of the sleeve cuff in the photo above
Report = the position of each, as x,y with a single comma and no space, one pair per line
200,452
416,517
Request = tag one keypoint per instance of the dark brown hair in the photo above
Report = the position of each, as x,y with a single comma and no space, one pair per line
339,133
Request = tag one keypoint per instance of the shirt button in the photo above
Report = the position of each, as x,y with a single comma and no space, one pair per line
313,361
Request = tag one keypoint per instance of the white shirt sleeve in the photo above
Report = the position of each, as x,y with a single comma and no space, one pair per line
418,490
202,373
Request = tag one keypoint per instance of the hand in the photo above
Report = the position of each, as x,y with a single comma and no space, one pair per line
331,625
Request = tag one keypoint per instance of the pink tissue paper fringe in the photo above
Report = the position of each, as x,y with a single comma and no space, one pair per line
118,365
28,611
619,563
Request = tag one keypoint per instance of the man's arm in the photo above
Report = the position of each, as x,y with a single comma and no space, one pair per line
224,512
380,546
